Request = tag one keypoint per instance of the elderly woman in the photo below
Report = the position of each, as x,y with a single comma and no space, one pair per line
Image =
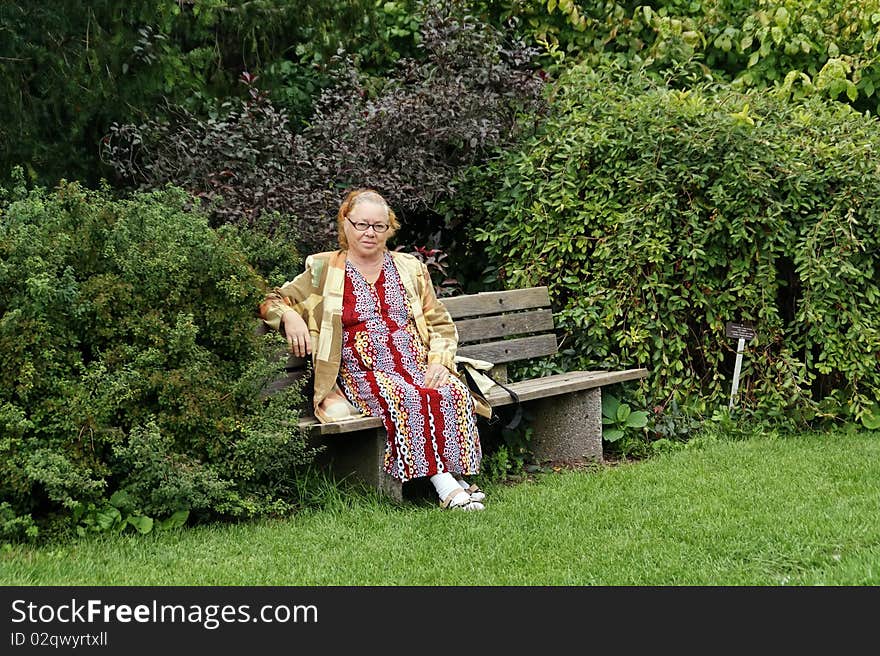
383,345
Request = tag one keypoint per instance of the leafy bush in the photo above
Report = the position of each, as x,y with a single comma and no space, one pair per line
825,47
406,135
231,162
131,369
655,216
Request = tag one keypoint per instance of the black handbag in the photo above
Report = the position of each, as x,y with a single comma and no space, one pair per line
468,373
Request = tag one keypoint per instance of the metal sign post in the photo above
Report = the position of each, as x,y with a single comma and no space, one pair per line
740,333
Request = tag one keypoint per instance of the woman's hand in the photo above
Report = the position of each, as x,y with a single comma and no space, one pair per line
299,341
436,376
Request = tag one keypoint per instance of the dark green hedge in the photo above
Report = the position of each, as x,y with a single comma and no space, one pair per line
131,372
658,215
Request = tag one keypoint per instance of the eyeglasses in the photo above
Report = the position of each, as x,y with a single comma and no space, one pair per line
361,226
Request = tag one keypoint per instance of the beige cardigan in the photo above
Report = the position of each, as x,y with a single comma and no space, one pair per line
316,294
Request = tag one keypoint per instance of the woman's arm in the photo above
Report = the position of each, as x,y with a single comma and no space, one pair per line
284,309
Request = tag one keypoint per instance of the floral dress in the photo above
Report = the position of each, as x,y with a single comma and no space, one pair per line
430,431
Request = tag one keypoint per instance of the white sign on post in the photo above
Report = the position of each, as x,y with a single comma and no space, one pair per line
741,333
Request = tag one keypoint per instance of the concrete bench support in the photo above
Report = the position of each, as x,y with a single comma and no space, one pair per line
358,455
568,428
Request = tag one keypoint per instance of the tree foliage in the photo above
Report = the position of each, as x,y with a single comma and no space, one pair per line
823,47
656,215
428,120
69,69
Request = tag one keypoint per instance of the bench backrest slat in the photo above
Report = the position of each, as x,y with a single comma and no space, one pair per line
484,303
504,325
509,350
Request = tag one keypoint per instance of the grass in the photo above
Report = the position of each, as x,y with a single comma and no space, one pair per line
768,511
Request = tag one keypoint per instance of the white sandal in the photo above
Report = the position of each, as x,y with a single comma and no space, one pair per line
476,493
460,500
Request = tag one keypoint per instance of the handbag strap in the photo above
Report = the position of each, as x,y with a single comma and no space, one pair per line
517,414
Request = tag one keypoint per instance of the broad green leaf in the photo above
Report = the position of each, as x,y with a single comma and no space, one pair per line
637,419
612,435
781,17
610,403
871,417
851,91
105,519
176,520
141,523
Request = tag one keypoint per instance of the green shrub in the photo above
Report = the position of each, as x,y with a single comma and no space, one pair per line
131,365
655,216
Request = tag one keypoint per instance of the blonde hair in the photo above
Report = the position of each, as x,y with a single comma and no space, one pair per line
354,198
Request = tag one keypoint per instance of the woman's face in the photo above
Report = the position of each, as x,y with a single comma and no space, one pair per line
368,243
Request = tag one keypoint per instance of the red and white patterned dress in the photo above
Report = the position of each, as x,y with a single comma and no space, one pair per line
430,431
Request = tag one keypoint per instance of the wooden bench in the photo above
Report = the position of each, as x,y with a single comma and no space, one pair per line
501,327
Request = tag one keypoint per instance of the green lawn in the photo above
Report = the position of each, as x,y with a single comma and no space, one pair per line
767,511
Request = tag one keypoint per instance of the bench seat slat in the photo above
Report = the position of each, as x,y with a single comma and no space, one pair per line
504,325
337,428
573,381
475,305
509,350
